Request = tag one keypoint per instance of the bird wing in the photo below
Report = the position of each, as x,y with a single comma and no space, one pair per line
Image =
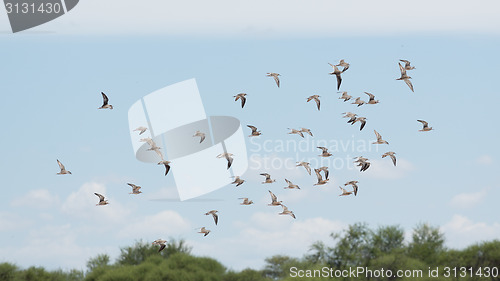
273,197
167,168
402,69
268,176
243,100
318,175
317,102
202,138
424,123
61,166
229,161
362,124
254,129
101,198
216,217
104,99
379,137
277,80
372,97
308,169
162,247
323,148
408,82
393,159
339,80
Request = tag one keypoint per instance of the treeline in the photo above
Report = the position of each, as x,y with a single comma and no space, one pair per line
357,253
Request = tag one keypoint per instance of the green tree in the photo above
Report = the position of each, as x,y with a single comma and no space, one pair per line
353,247
387,239
318,253
7,271
245,275
427,244
99,261
278,266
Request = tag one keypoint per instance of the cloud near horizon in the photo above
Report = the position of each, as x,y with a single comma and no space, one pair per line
280,18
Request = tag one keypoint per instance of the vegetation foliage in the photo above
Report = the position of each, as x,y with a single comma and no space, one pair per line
358,246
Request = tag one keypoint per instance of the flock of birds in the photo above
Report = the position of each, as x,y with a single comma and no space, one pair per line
322,173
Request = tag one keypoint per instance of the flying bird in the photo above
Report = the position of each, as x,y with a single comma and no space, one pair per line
135,189
274,200
246,201
238,181
363,163
405,77
161,243
407,65
291,185
153,146
141,130
255,133
228,157
167,165
345,96
105,101
392,155
242,97
304,130
325,152
268,178
315,98
358,101
351,116
337,73
344,192
325,170
379,139
204,231
275,76
426,127
63,170
361,120
305,165
199,134
101,200
372,99
286,212
354,186
321,181
298,132
344,64
214,215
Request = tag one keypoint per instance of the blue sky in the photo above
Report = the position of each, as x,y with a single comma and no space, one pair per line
52,77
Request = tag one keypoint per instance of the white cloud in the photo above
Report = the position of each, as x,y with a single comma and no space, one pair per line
279,17
37,198
461,231
484,160
168,223
11,221
468,200
384,169
268,234
56,245
82,204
